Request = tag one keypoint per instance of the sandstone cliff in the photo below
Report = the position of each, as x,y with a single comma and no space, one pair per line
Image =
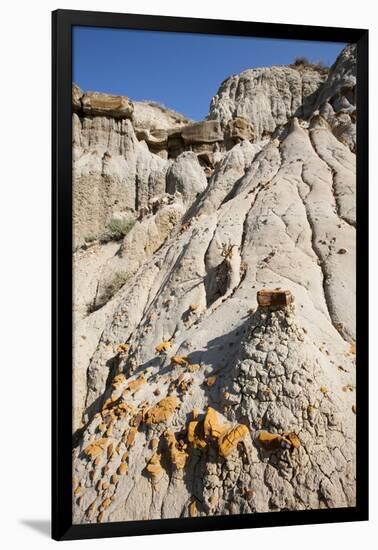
214,359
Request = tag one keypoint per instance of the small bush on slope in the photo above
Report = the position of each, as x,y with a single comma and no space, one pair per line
304,63
110,289
116,230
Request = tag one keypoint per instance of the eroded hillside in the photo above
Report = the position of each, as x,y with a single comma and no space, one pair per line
214,299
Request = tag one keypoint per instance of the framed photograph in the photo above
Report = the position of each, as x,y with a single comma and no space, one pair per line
210,245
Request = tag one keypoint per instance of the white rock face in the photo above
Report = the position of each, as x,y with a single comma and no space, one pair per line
185,176
268,97
190,398
113,172
336,100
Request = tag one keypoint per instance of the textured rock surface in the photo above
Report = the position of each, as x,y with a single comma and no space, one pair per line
196,394
186,177
336,100
152,116
267,97
97,104
113,172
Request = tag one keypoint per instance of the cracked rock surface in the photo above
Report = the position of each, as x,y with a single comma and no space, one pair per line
194,393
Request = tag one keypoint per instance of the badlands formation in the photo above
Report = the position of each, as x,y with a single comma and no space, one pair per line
214,299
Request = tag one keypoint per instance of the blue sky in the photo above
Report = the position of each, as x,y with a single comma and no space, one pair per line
182,71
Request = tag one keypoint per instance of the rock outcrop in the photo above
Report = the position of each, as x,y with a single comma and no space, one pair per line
214,356
185,176
336,100
123,150
113,172
267,97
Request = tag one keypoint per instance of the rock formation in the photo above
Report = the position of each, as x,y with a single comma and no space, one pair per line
214,356
268,97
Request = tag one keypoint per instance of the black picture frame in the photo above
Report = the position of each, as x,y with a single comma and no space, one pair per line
62,23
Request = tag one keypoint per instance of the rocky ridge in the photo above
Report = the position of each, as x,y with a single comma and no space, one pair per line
194,396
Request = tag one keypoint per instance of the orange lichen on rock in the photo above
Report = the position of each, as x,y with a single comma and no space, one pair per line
134,385
154,467
95,449
162,411
210,381
154,443
272,442
200,431
118,381
177,452
196,435
294,439
226,436
130,439
122,469
228,441
179,360
122,348
123,409
352,348
211,425
323,389
120,410
269,441
163,346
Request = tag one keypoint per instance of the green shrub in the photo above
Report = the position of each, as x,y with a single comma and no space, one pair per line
116,229
301,61
304,63
109,290
115,284
90,238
